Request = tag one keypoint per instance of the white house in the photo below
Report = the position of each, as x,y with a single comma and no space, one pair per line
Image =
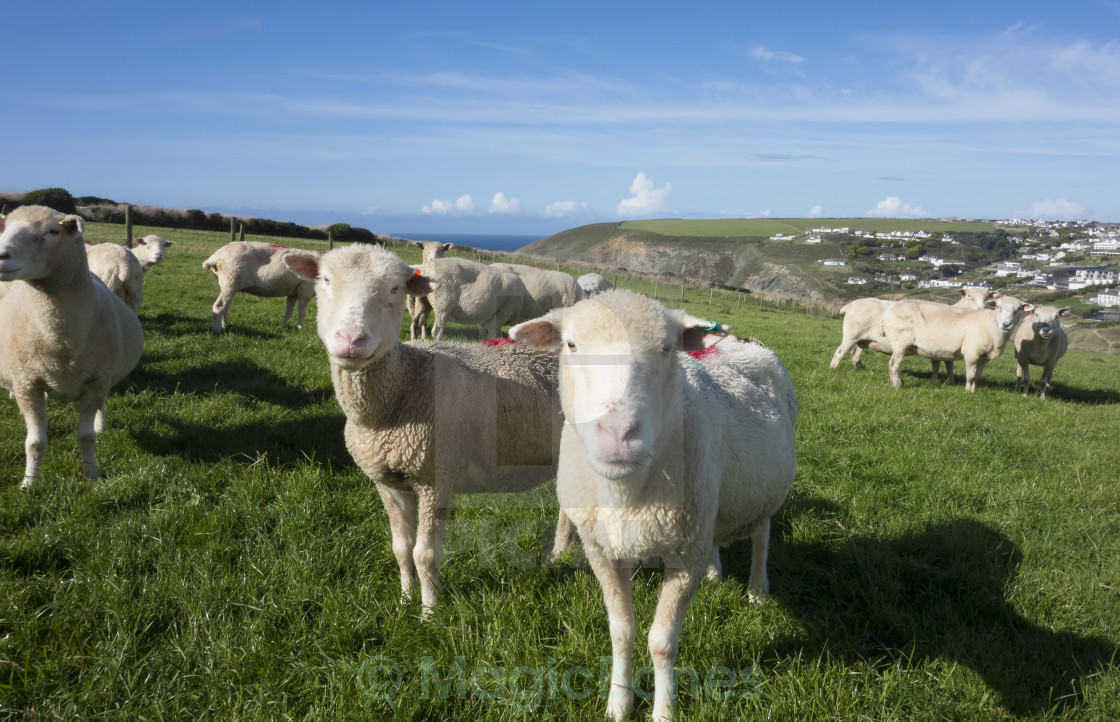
833,261
1108,298
813,239
907,277
856,280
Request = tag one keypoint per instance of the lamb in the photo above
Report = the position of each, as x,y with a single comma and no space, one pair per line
419,308
149,251
593,283
120,270
1040,340
662,454
862,327
257,269
426,420
935,331
550,289
473,293
63,335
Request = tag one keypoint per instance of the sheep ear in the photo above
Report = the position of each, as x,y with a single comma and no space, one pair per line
141,241
1028,307
697,334
961,291
304,266
543,332
168,244
73,224
448,246
993,294
420,245
1064,311
420,285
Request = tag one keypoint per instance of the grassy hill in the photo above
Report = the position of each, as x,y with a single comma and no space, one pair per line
943,555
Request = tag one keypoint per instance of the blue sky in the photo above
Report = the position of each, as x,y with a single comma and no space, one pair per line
535,117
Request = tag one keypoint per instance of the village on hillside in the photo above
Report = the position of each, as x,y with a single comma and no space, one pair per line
1055,255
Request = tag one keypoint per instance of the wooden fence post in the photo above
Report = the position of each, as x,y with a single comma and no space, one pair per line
232,235
128,225
241,233
330,241
711,294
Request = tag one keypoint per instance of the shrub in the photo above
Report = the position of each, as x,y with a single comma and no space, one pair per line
56,198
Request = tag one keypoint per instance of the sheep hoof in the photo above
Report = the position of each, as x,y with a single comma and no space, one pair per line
26,483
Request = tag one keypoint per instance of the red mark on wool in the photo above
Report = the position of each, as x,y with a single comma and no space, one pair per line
704,353
499,342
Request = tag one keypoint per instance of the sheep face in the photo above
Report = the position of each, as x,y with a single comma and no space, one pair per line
361,295
1046,320
150,250
30,235
976,298
1008,310
433,249
618,371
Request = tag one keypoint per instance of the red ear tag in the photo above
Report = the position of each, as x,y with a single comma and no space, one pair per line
416,272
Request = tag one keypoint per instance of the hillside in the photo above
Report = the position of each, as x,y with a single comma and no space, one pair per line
742,252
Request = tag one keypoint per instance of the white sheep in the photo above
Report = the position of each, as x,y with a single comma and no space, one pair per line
863,327
149,250
63,335
419,307
936,331
593,283
426,420
120,270
474,293
665,455
257,269
1039,340
550,289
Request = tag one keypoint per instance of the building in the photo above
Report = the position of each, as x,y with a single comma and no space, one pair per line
856,281
833,261
1108,298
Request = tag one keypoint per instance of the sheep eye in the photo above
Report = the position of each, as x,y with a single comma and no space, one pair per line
326,280
394,289
571,347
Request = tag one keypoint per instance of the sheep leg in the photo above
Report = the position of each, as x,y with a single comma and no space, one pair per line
565,531
99,420
289,306
677,591
89,408
433,507
936,369
437,326
220,312
1023,378
949,372
857,356
893,369
973,370
759,584
302,311
841,351
1044,382
401,508
715,566
33,405
614,579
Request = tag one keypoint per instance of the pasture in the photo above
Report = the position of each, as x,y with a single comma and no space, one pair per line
942,555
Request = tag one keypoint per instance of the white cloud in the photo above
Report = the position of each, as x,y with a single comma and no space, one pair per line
560,209
1060,209
761,52
893,207
646,199
500,204
462,205
760,214
816,212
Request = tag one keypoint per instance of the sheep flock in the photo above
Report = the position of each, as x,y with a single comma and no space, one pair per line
668,436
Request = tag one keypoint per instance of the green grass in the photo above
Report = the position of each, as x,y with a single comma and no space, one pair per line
942,555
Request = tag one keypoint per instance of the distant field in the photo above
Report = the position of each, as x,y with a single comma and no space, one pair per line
942,555
769,226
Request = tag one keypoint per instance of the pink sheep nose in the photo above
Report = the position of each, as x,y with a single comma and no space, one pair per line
347,342
617,434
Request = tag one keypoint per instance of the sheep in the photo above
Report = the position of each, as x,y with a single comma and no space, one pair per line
120,270
426,420
550,289
257,269
63,335
150,251
862,327
419,307
473,293
665,455
1039,340
593,283
936,331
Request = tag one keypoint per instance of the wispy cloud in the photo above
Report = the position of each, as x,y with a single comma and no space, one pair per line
562,209
645,199
460,206
1060,209
893,207
500,204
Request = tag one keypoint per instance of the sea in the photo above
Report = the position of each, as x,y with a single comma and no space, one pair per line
481,241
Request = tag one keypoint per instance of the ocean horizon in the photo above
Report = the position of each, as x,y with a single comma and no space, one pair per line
481,241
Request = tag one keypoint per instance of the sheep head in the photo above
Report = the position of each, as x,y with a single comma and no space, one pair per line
30,237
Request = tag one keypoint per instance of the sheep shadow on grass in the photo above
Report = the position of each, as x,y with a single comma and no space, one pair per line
240,376
941,594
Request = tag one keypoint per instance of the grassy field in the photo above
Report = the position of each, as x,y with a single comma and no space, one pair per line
943,555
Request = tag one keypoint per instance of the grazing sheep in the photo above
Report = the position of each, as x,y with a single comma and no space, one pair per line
419,307
150,251
426,420
593,283
550,289
863,327
936,331
120,270
1040,340
665,455
63,335
257,269
473,293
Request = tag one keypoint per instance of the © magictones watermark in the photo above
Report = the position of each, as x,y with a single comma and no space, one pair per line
382,678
